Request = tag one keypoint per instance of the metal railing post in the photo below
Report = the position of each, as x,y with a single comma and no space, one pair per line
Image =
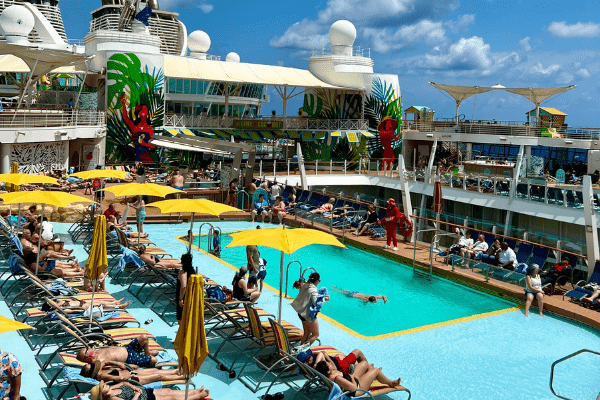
330,167
345,166
288,167
378,167
274,168
546,192
316,167
260,168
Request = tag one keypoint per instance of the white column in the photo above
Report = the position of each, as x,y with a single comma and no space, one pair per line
303,180
406,202
469,151
5,155
591,225
428,176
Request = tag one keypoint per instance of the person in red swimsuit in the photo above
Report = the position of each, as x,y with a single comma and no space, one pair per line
392,215
387,133
141,130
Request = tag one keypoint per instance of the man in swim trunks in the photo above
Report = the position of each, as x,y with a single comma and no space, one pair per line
253,257
177,180
355,295
136,352
121,372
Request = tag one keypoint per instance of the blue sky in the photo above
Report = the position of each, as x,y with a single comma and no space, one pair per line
464,42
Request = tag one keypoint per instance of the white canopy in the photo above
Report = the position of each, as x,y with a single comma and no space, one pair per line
536,95
222,71
10,63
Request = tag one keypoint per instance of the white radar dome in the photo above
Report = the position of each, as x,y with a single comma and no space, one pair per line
17,22
342,33
233,57
198,42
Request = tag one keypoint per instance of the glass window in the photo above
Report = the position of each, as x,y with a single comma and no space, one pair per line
193,86
177,108
186,86
179,86
172,85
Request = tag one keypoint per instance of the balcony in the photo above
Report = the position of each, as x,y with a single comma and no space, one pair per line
43,118
293,123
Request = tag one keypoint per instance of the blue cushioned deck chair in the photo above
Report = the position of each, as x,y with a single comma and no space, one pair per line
524,252
579,291
539,256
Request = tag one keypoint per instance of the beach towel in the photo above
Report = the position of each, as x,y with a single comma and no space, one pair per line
129,256
74,374
314,310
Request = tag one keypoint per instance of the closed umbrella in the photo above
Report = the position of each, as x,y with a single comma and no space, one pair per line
7,325
194,206
190,343
97,260
141,189
14,169
58,199
286,240
437,200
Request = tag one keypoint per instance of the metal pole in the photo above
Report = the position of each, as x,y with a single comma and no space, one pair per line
280,287
37,262
192,235
94,283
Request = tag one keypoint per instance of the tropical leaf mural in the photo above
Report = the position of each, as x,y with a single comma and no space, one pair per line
381,103
141,85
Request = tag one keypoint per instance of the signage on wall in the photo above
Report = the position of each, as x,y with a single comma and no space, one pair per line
257,125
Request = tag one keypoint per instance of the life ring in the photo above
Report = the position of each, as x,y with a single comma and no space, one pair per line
405,226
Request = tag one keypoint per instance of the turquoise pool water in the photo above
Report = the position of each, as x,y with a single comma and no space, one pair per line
413,301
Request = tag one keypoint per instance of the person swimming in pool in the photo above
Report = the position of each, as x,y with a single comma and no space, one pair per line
364,297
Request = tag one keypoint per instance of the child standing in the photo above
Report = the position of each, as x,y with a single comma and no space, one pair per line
216,244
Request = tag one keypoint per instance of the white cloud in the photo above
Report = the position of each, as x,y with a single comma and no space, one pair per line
305,35
524,44
461,24
583,73
580,29
384,40
466,54
544,70
205,7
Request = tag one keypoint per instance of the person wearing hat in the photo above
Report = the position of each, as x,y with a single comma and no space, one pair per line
392,215
121,372
127,391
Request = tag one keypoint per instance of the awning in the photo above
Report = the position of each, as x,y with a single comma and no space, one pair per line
168,143
461,93
222,71
10,63
263,135
44,60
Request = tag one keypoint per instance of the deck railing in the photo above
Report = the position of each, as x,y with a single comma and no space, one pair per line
294,123
41,118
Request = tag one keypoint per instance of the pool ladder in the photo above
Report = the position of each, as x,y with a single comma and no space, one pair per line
208,235
302,272
555,363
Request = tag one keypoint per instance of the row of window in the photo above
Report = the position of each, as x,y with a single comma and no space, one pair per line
559,155
191,86
214,109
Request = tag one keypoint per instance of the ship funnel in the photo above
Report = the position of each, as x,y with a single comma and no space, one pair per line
153,4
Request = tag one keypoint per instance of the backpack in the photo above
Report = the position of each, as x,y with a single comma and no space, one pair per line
215,293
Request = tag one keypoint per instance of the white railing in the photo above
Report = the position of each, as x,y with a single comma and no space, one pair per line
37,118
356,51
295,123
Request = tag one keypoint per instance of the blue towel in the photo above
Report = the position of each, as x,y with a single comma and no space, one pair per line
16,242
73,179
107,316
13,262
129,256
314,310
164,357
335,392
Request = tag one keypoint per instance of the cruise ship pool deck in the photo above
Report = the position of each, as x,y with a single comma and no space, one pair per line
444,340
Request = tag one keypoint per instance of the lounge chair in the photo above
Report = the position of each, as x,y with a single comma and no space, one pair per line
579,291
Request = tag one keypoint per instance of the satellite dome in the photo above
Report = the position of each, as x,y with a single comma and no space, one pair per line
198,42
233,57
342,33
16,21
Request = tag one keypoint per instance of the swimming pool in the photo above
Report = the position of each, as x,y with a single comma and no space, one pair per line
413,301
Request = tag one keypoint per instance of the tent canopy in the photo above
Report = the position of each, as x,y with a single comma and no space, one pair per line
222,71
10,63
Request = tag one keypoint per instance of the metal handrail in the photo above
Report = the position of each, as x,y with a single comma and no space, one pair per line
436,238
561,360
286,274
200,233
242,191
415,243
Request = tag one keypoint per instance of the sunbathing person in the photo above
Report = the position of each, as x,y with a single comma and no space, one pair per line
133,235
325,208
127,391
136,352
121,372
69,305
591,298
47,248
150,259
343,363
363,376
364,297
55,267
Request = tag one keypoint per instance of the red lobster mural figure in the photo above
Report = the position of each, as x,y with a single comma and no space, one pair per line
141,131
393,216
387,129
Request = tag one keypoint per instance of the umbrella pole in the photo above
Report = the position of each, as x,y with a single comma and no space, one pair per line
187,386
37,261
94,283
191,236
137,219
280,288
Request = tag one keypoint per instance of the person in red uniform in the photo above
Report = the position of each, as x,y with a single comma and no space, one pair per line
387,133
392,215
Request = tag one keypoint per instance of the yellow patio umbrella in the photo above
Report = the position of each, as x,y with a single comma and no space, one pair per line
97,260
22,179
194,206
58,199
141,189
101,173
190,343
7,325
285,240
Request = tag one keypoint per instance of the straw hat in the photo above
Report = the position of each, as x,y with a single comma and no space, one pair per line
96,392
